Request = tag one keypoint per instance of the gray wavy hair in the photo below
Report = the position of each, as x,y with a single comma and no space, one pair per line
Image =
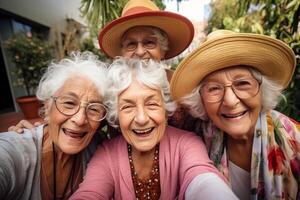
84,64
120,76
270,90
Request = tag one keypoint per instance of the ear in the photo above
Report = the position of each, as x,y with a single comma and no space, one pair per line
163,54
46,109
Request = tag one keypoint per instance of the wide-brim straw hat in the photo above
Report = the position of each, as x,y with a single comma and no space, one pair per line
179,29
223,48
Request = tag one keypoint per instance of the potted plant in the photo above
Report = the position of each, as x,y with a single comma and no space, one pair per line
31,56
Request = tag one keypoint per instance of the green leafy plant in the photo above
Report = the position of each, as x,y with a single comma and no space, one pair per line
31,56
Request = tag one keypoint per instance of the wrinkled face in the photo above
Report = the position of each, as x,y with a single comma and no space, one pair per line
73,133
235,116
139,42
142,116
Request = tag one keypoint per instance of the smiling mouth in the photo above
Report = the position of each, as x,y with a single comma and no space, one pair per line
234,115
143,131
73,134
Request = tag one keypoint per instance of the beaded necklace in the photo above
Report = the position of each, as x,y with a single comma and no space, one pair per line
149,188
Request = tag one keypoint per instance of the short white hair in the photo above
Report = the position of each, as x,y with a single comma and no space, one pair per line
120,76
84,64
270,91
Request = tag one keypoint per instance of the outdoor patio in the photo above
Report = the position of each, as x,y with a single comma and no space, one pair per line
12,118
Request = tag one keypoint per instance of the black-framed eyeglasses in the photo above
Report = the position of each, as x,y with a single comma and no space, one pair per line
69,105
243,88
147,43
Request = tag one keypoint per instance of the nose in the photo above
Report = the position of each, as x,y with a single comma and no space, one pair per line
141,117
80,117
140,50
230,98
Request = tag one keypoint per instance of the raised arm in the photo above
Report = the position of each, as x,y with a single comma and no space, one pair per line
98,182
19,166
204,180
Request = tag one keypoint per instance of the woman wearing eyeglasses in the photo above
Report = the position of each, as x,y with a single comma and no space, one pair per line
232,82
149,159
50,163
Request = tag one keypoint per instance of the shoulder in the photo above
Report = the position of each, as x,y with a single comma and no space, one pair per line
285,124
111,149
18,145
181,141
17,149
27,139
19,162
175,134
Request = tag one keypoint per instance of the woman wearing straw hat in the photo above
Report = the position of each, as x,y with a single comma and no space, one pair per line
143,31
232,82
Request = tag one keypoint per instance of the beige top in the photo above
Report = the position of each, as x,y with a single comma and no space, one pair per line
63,170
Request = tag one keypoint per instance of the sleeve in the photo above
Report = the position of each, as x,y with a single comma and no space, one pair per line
98,182
209,186
16,164
194,161
194,158
7,166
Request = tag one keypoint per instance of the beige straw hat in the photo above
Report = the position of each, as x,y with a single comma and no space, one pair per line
223,49
179,29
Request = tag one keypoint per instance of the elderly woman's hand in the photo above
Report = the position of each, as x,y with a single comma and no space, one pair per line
19,128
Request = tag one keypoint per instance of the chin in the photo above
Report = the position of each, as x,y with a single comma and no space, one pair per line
144,148
71,150
238,135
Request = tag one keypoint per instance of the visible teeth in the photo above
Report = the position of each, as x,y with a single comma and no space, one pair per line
74,134
233,116
145,131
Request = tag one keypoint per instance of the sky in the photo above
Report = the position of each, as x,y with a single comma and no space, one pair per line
195,10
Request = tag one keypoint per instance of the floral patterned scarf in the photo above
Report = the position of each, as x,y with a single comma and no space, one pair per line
275,162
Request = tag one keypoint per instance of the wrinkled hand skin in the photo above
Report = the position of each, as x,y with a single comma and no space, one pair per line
19,128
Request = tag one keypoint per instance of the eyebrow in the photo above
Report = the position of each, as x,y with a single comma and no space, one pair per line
241,76
75,96
132,101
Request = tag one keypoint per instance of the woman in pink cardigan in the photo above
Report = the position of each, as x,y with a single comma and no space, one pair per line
150,160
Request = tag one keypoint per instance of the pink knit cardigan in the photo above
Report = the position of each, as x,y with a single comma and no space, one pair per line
182,156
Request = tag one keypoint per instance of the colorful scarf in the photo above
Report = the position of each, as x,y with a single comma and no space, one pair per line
275,162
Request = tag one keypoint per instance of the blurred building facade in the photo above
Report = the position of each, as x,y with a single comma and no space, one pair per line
56,20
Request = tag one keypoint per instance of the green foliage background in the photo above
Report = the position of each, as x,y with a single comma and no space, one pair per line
277,18
100,12
31,54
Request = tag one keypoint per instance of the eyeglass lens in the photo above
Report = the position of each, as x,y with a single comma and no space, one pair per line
69,105
243,89
147,43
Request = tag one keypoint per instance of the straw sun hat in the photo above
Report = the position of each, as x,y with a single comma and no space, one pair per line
180,30
223,49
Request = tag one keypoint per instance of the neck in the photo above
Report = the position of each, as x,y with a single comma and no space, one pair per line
58,167
143,162
61,157
240,151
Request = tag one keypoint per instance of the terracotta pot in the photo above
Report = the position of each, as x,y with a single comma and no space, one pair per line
29,106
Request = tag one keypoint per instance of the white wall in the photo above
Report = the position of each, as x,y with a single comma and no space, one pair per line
51,13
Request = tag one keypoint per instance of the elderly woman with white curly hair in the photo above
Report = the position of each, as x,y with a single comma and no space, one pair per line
232,82
150,160
50,163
